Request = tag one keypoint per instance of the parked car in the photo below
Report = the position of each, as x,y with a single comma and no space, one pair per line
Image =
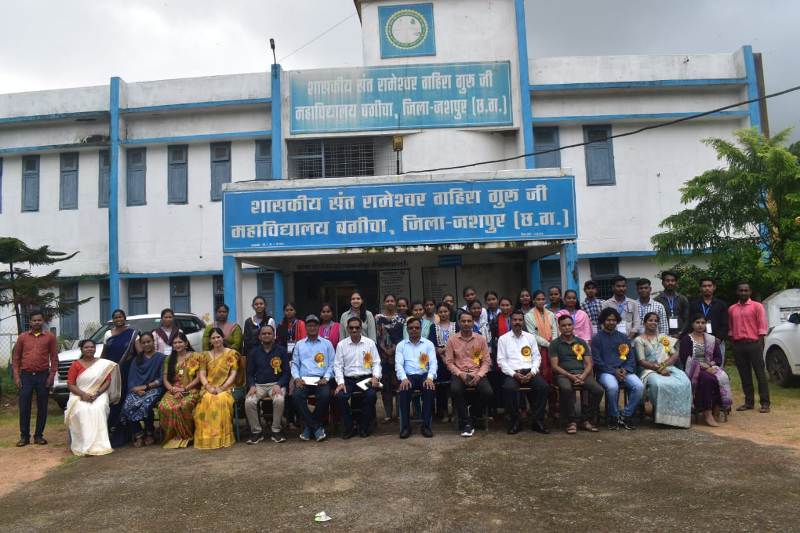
782,351
190,324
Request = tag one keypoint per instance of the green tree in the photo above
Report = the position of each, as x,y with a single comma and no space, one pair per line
21,289
742,219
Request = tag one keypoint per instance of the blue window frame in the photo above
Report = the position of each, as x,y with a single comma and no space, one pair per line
30,183
68,184
177,174
69,322
546,138
599,155
180,294
220,168
263,159
136,182
103,177
105,301
137,296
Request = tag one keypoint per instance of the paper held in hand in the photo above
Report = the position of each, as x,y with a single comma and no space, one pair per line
310,380
364,384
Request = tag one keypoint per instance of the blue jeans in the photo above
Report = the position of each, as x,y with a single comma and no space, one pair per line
368,400
632,384
404,400
323,396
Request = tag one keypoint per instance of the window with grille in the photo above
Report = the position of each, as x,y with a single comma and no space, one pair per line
103,185
105,301
341,158
263,159
137,296
179,294
69,321
602,270
219,292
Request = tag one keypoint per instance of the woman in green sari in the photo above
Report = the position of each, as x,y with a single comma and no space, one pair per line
182,381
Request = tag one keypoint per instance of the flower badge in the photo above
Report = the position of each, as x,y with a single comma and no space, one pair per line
367,360
578,350
476,357
526,352
665,342
319,359
276,364
623,351
423,361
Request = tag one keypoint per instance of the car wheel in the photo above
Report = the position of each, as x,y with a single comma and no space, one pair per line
778,367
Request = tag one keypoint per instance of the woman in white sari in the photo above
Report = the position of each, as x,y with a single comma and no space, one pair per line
94,384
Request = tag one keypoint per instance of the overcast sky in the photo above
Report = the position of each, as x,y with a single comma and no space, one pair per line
47,44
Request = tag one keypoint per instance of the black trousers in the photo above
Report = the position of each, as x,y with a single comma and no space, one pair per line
749,357
566,398
537,397
342,399
32,381
458,391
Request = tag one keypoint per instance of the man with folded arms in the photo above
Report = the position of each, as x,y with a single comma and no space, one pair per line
356,359
312,358
267,375
415,365
518,358
467,358
571,361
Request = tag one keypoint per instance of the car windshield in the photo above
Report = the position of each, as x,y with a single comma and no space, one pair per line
141,324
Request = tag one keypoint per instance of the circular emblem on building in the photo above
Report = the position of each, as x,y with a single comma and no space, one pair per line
406,29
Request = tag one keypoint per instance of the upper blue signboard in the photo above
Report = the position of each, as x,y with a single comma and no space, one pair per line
407,30
390,214
401,97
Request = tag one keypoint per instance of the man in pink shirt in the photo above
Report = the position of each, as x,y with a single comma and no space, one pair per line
747,327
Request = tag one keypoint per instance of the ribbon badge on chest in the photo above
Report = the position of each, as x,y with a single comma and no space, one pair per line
423,361
319,359
623,351
276,364
526,352
367,359
578,350
476,358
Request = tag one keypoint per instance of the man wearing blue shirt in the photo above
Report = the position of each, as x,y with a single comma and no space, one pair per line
415,364
615,362
312,357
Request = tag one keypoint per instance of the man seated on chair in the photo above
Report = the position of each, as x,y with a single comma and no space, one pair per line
571,361
267,374
356,359
519,360
616,367
312,358
415,365
467,358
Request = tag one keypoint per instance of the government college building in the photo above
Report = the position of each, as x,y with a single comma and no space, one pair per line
305,185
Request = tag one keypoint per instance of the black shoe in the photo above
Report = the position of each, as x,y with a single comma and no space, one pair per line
539,427
349,434
745,407
278,437
363,433
405,433
613,424
467,431
427,433
255,439
23,442
514,428
480,423
764,408
40,441
626,423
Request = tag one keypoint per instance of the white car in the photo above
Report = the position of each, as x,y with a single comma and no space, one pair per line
782,351
187,322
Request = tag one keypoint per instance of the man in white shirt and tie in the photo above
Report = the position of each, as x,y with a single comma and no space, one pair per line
356,360
519,359
415,365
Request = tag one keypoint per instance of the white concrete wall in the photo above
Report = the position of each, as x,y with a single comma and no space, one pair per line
197,123
28,135
593,69
52,102
202,89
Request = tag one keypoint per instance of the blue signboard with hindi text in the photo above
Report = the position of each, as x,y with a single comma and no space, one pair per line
401,97
405,213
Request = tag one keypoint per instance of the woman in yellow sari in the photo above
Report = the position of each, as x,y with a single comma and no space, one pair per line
182,380
213,427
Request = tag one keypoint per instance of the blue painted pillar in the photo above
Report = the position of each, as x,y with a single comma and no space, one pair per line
231,281
278,294
524,83
753,108
113,196
569,266
277,132
535,276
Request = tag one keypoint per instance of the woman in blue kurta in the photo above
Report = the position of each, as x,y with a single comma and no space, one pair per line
145,388
119,345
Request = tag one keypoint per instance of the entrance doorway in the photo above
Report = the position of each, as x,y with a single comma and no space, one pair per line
312,289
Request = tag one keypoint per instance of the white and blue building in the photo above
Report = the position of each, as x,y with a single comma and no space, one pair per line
189,192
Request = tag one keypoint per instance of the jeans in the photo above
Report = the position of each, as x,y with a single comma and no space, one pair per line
404,399
323,397
32,381
368,402
632,384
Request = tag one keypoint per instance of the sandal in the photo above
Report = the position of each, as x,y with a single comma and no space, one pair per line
572,428
149,440
587,426
138,441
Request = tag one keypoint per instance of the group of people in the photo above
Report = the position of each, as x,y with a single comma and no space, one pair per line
520,356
